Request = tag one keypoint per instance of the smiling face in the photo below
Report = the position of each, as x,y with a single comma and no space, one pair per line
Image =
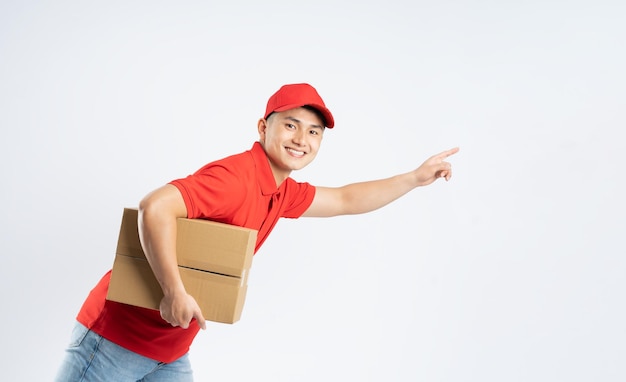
291,140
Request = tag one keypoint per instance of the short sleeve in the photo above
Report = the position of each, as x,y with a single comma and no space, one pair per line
212,192
299,197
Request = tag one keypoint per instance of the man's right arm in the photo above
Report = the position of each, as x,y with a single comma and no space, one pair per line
158,212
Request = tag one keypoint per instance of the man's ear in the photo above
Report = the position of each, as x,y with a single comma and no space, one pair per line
261,127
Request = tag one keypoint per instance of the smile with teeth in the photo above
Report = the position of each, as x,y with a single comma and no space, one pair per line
295,152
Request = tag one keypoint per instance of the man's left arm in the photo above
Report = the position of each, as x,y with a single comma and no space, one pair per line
362,197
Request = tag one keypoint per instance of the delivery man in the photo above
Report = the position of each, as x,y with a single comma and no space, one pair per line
117,342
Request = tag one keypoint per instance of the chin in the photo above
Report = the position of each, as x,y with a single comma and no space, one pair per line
302,165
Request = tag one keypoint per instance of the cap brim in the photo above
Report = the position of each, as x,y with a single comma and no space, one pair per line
329,121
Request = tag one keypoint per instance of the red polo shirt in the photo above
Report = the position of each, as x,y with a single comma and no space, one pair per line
238,190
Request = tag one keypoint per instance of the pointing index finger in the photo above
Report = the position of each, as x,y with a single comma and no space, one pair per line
447,153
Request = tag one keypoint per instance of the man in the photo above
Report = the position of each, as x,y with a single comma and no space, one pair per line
118,342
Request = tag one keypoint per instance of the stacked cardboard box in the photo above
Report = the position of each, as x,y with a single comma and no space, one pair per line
214,260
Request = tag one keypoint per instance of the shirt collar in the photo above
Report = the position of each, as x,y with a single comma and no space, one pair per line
266,176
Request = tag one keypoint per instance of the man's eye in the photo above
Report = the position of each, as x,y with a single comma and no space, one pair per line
313,132
291,126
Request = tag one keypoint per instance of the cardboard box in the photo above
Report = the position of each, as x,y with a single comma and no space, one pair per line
213,259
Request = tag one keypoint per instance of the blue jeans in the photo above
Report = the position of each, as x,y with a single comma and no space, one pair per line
92,358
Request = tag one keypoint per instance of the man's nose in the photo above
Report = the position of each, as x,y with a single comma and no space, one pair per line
299,137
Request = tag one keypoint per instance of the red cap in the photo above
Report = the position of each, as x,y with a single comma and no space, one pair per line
298,95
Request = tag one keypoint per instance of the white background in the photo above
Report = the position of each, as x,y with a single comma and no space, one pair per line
512,271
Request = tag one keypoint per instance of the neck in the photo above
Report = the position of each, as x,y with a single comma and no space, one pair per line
279,175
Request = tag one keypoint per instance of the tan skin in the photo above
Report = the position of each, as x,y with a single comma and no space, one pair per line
291,140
